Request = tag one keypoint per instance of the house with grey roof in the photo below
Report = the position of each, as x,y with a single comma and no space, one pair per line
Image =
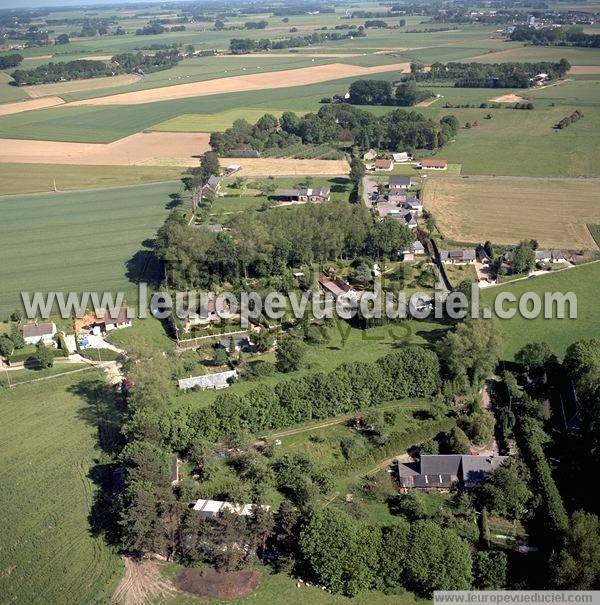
399,182
220,380
442,471
316,195
213,508
413,204
458,257
39,332
212,185
550,256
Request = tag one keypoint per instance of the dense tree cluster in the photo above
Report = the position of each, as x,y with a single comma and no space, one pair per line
556,36
268,243
83,68
382,92
398,129
350,557
8,61
494,75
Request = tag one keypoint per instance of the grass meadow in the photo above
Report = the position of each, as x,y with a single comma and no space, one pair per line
84,241
40,178
48,442
584,281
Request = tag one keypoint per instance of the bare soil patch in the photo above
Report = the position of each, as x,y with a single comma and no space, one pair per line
506,210
61,88
266,80
427,103
37,58
20,106
287,166
226,585
151,149
583,70
96,58
510,98
142,584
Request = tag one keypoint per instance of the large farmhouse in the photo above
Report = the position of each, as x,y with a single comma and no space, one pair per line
442,471
39,332
322,194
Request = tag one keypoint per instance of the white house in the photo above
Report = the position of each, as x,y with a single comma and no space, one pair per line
220,380
401,157
39,332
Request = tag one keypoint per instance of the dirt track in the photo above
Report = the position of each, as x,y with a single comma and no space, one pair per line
262,81
583,70
153,149
10,108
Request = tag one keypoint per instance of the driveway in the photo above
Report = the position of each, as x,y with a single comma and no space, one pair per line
370,186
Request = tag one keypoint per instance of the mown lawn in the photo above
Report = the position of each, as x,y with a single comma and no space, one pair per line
276,589
584,281
48,443
80,241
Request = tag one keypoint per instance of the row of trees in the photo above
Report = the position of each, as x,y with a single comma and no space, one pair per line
556,36
382,92
84,68
524,410
409,372
568,120
494,75
398,129
240,46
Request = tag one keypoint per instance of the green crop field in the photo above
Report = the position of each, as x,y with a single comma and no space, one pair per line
83,241
584,281
34,178
48,437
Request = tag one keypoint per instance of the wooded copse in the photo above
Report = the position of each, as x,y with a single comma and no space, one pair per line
494,75
556,36
382,92
398,129
83,68
267,244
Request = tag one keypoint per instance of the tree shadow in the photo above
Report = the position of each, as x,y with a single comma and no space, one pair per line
104,411
144,266
175,201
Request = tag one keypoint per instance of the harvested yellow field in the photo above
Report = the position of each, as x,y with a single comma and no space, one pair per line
506,210
147,149
510,98
10,108
287,167
583,70
262,81
61,88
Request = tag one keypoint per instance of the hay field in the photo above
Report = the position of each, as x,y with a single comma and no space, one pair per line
262,81
80,240
287,167
48,443
7,109
60,88
508,209
144,148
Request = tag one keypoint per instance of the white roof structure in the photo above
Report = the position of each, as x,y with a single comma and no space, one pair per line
211,508
401,157
208,381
